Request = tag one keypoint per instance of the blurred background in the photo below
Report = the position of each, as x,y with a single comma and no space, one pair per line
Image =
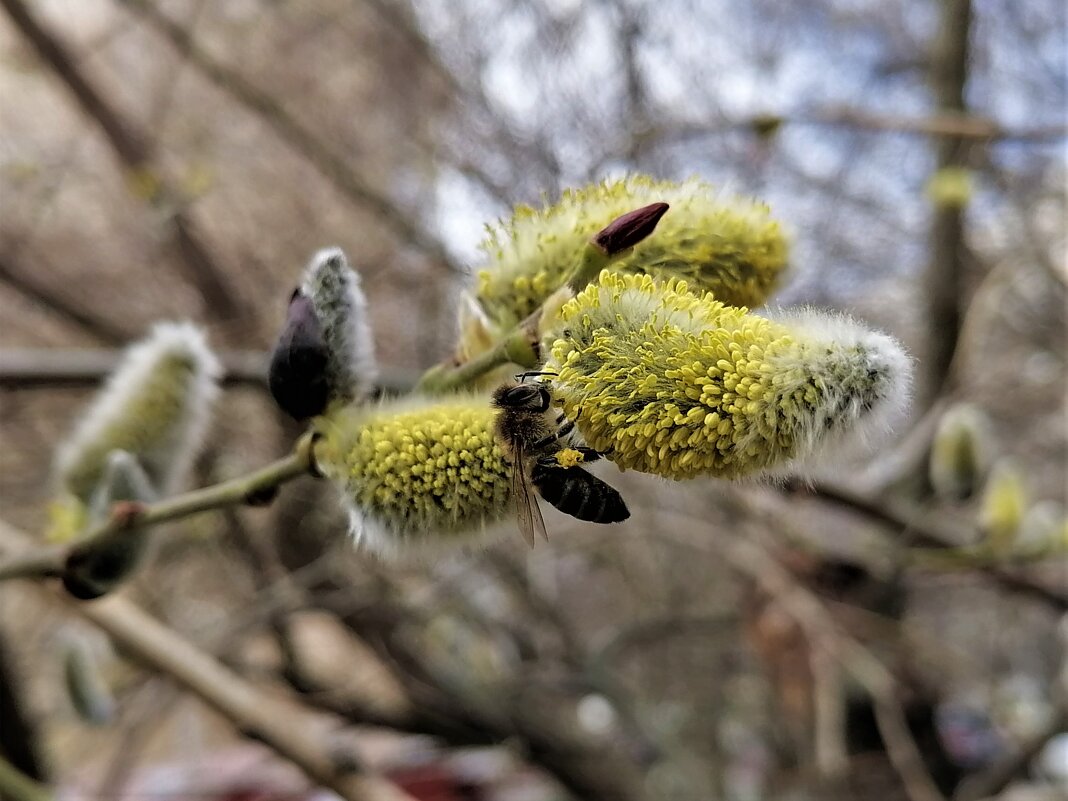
164,160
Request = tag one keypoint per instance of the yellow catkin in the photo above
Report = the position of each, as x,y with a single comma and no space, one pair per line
729,246
415,470
1004,505
677,384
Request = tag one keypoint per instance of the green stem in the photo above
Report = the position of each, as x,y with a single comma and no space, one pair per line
249,489
46,563
972,557
520,345
17,786
590,264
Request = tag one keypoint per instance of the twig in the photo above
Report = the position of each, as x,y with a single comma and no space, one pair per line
32,368
17,786
130,145
945,124
127,521
253,712
295,134
19,278
932,531
943,279
750,557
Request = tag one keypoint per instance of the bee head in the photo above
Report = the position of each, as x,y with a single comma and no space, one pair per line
531,397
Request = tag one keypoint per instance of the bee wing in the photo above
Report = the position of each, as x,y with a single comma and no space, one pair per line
531,523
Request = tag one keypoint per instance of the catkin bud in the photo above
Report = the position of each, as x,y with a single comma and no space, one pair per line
93,570
415,472
298,376
951,187
960,453
155,407
668,382
89,694
1043,527
728,246
340,309
1004,504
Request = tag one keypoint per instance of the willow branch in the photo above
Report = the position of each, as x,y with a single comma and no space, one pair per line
932,531
129,519
330,165
17,786
47,368
130,145
254,713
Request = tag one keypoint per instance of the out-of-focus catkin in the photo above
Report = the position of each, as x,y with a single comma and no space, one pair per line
156,407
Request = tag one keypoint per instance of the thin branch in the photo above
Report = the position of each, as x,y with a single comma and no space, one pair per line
130,145
929,530
252,711
128,520
17,786
749,556
31,368
941,125
943,280
19,278
521,345
330,165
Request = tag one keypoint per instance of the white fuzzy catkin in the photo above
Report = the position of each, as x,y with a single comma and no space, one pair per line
339,303
665,381
868,384
156,406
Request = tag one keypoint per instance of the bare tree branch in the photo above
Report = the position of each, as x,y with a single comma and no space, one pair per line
289,129
97,325
32,368
750,556
253,712
74,562
130,145
944,277
930,530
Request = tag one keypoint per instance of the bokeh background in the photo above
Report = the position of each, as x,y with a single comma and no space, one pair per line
165,160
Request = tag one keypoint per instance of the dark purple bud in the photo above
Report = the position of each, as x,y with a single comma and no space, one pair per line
630,229
298,373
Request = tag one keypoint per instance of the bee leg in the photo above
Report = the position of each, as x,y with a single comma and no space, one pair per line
544,441
522,377
588,454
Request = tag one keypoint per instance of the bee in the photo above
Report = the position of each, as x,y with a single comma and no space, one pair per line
533,438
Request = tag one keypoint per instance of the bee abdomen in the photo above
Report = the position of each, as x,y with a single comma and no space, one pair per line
575,492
